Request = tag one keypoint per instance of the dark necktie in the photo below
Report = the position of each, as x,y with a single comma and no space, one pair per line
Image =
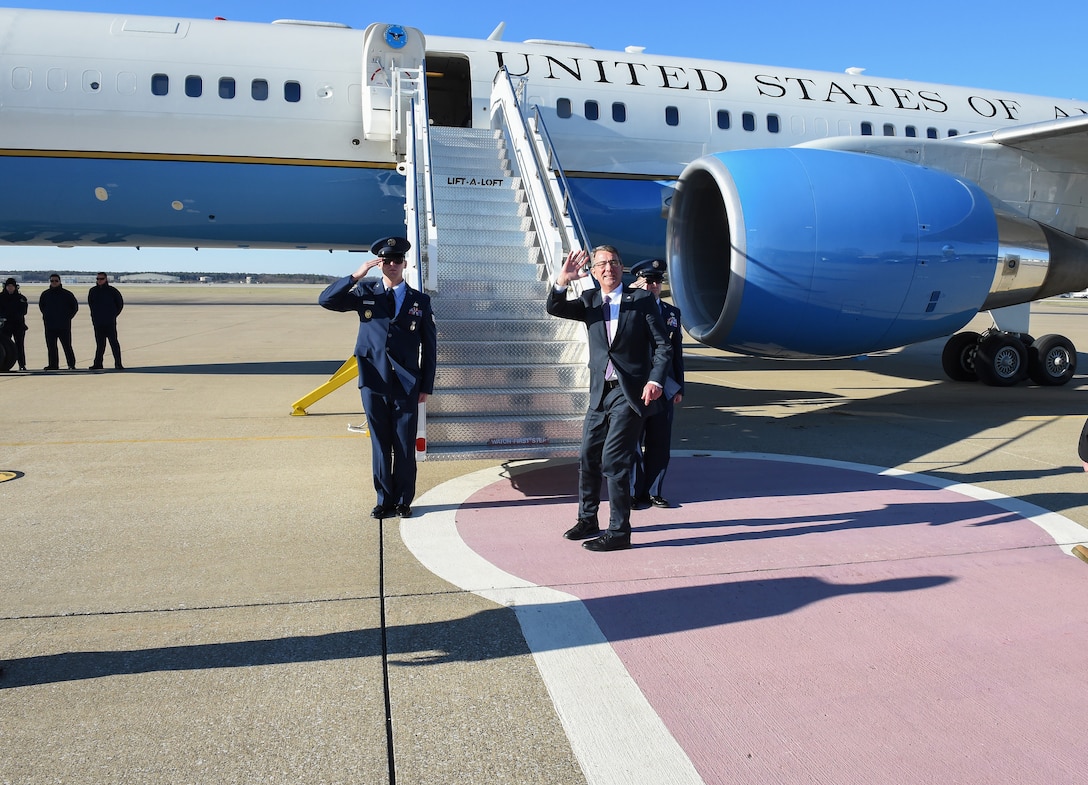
391,297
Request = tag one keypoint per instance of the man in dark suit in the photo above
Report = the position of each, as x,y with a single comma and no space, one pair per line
652,460
396,351
629,357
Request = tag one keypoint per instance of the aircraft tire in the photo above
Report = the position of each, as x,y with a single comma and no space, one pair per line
1052,360
958,357
1001,360
7,354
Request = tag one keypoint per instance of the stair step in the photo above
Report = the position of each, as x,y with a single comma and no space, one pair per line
569,376
471,287
501,432
520,352
542,328
490,404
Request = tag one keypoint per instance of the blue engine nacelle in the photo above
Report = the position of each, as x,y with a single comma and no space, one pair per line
801,252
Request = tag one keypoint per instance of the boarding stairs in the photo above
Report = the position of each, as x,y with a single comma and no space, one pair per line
512,381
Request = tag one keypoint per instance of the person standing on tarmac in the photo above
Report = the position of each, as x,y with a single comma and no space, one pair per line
655,444
105,303
396,351
13,308
58,306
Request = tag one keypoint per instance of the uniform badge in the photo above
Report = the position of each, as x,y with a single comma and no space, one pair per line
672,322
368,313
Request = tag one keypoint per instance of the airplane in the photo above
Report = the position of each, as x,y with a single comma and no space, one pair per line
803,213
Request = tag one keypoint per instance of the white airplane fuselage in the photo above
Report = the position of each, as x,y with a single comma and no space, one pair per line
255,137
803,213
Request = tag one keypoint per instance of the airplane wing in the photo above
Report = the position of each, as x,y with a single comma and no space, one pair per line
1064,139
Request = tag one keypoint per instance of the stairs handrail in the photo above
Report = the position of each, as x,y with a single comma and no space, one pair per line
411,84
560,233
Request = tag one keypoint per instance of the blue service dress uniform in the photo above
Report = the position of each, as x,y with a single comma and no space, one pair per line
396,352
652,460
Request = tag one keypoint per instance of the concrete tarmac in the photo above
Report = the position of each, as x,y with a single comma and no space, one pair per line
192,591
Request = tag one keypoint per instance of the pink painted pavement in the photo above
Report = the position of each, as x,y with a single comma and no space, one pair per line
798,623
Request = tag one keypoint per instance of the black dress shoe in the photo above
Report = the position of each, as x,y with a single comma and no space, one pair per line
583,530
94,368
608,543
404,511
640,502
381,511
659,501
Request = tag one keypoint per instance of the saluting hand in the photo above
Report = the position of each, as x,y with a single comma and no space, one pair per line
365,268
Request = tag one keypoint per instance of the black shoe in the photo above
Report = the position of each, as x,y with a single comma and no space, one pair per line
51,368
403,511
71,367
615,542
583,530
381,511
640,502
118,367
659,501
95,368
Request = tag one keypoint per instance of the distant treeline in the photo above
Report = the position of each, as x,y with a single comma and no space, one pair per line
42,276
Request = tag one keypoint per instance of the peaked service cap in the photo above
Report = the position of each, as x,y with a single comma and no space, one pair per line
390,246
651,269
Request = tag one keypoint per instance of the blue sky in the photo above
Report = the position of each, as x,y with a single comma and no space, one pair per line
998,45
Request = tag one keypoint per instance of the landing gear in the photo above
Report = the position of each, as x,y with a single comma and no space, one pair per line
1002,359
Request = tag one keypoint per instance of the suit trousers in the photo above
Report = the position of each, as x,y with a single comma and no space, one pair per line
652,458
106,332
609,439
62,335
392,421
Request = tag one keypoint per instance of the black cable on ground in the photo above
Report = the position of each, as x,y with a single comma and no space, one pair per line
385,655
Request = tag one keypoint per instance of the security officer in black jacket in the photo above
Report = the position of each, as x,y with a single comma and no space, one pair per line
105,302
58,306
652,459
13,308
396,351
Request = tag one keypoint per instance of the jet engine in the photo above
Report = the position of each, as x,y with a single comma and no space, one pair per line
802,252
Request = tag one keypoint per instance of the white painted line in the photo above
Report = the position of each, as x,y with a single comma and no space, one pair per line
592,691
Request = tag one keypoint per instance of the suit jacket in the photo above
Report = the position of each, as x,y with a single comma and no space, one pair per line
404,346
671,315
640,350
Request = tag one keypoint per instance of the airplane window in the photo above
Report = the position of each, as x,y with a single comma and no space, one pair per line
22,78
160,84
748,121
563,108
292,92
672,115
953,132
910,131
889,129
226,87
931,133
92,81
773,123
259,90
57,79
619,112
866,129
723,119
593,110
194,86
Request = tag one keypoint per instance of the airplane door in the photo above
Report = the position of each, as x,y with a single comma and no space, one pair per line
386,47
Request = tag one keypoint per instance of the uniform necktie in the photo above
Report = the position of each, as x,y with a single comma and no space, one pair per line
391,296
